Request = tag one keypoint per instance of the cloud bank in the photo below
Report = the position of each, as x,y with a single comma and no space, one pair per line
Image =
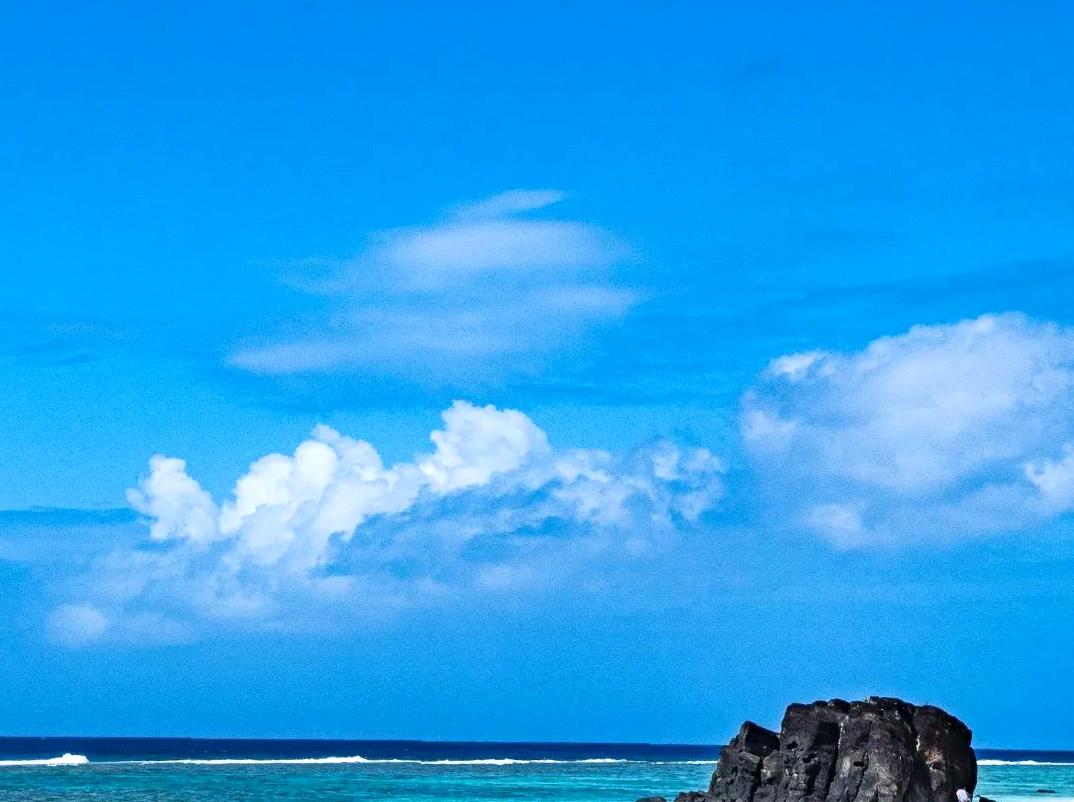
332,532
487,281
940,433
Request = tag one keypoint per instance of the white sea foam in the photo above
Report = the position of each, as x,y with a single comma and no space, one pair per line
66,759
358,759
299,761
245,761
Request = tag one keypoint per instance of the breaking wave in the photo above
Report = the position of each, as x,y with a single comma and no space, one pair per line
299,761
66,759
990,762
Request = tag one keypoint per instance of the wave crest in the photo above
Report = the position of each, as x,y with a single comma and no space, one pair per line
358,759
300,761
66,759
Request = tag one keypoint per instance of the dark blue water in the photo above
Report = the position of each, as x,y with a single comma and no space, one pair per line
174,769
113,749
1022,755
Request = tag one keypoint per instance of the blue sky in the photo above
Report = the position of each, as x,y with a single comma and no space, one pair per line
605,373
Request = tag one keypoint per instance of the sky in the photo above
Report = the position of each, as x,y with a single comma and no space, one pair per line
607,372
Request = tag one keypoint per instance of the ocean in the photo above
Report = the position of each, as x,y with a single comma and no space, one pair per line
170,770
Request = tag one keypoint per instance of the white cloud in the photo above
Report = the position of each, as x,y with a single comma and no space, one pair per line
331,527
793,366
840,523
441,344
478,443
176,503
513,201
422,301
76,624
435,256
942,432
1054,478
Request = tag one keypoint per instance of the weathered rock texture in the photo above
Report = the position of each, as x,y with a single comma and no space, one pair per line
879,750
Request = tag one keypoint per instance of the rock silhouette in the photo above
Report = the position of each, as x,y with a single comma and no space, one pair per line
877,750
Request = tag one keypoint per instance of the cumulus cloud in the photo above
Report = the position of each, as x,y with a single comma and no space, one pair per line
176,504
943,432
332,528
489,280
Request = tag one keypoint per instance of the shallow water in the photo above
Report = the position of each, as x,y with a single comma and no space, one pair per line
136,770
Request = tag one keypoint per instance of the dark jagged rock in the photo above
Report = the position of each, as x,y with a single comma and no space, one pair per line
985,799
652,799
878,750
692,796
944,743
808,742
739,770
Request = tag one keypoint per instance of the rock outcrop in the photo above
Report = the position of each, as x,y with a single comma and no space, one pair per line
879,750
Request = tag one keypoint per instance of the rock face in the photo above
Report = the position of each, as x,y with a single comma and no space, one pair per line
879,750
741,773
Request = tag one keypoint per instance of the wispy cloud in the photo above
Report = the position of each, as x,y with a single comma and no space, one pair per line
332,532
59,340
485,283
76,624
940,433
513,201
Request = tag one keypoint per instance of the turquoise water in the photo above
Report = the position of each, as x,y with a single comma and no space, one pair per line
1021,781
564,782
138,771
